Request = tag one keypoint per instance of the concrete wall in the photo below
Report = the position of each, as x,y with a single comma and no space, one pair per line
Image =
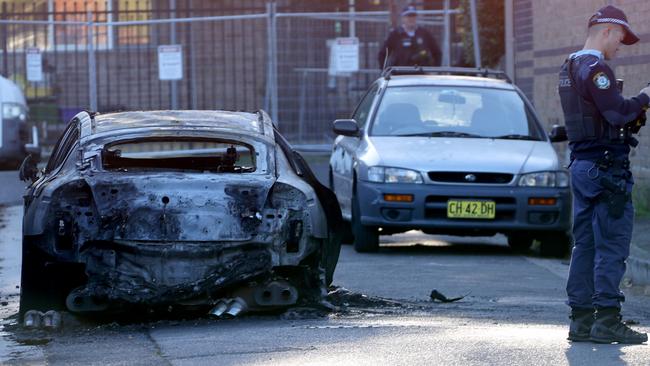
547,31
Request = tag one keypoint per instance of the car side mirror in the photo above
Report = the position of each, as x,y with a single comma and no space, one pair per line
28,169
346,127
34,151
558,134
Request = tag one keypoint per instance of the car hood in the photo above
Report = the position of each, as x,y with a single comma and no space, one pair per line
464,154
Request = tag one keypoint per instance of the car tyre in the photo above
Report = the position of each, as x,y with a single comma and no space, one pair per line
34,291
330,256
366,238
555,245
45,284
520,242
347,237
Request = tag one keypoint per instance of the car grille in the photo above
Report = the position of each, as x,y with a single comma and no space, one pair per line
470,177
435,207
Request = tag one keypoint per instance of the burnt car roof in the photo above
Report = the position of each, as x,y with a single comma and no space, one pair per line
252,124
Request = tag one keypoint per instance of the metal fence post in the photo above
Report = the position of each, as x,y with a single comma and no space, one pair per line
3,39
303,105
192,59
92,63
353,26
475,39
509,39
446,53
267,92
272,76
172,36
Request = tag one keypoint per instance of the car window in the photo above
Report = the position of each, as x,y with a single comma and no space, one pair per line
469,111
63,147
363,109
184,154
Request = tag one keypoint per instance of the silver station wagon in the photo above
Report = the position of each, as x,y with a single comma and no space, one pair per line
450,151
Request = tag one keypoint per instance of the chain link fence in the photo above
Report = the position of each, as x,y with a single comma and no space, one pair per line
94,58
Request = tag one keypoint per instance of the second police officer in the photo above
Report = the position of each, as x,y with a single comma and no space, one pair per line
600,124
409,44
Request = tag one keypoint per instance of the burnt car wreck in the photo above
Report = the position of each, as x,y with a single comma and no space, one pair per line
189,208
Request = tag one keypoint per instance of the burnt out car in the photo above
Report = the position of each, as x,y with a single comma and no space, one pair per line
166,208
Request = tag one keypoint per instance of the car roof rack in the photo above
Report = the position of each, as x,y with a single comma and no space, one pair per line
429,70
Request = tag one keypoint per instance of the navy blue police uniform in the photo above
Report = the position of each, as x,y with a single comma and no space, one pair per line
416,49
600,125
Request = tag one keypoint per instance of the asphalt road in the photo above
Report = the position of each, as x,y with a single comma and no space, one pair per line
513,314
11,188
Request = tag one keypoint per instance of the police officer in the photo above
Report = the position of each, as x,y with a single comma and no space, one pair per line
600,125
409,45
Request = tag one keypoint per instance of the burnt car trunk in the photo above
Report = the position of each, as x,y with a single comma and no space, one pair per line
167,208
174,238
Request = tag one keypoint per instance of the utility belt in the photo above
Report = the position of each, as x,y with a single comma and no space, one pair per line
607,163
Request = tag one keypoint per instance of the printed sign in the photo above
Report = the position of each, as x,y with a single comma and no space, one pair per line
170,62
34,64
345,55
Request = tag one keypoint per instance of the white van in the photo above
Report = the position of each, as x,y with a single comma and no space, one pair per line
17,140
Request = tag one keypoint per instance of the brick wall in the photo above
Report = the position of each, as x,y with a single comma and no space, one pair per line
547,31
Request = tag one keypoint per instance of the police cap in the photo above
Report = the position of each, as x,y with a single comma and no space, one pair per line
409,10
612,14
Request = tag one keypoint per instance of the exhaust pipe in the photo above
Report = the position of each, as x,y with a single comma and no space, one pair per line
33,319
51,320
219,309
236,307
79,301
230,308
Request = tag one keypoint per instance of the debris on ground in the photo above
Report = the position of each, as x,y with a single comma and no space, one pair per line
344,298
438,296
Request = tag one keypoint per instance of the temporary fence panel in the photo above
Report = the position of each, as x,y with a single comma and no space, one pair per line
310,97
97,58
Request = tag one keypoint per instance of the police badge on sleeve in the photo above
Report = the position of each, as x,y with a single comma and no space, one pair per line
602,81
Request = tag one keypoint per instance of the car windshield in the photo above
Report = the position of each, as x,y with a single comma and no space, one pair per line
180,154
454,111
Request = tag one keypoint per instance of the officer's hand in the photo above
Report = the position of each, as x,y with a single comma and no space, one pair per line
646,90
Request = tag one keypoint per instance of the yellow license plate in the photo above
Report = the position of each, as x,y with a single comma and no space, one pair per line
465,209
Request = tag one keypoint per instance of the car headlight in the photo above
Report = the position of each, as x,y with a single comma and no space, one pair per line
13,111
544,179
379,174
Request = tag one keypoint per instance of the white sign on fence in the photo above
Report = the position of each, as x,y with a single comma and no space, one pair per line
34,64
170,62
345,55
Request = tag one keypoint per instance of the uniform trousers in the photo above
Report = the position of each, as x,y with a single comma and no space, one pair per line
602,242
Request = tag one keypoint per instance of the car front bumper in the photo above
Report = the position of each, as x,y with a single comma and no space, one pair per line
428,210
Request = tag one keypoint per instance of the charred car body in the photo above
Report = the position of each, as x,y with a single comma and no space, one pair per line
188,207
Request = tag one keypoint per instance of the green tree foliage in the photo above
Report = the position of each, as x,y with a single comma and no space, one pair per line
491,31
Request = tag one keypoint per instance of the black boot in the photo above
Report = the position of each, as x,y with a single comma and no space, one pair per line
581,322
608,328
